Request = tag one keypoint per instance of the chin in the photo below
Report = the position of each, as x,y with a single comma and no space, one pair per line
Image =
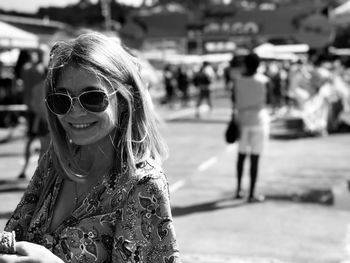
85,141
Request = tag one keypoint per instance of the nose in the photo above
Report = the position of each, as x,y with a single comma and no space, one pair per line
77,109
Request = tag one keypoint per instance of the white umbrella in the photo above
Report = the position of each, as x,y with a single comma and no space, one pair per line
341,14
13,37
270,51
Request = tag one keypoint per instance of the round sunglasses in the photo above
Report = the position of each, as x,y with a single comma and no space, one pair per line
92,101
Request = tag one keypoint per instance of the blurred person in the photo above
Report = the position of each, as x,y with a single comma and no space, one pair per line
23,58
99,193
202,80
234,70
299,78
227,76
33,75
253,119
275,87
169,84
183,84
284,72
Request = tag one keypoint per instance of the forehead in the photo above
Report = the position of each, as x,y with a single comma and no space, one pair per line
76,79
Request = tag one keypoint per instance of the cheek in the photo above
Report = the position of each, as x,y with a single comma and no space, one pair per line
61,120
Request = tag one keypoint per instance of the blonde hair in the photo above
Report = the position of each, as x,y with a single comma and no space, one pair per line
137,136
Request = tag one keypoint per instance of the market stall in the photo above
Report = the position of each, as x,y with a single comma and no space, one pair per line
269,51
317,94
12,40
13,37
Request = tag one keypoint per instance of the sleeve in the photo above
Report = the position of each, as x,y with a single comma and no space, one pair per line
146,233
22,215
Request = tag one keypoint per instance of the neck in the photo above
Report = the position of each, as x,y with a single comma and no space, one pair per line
96,159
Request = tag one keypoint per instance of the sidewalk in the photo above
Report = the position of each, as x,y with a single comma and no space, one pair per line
212,227
10,133
209,222
204,211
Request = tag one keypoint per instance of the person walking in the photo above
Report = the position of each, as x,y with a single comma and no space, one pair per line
202,80
169,85
183,84
253,119
33,74
99,193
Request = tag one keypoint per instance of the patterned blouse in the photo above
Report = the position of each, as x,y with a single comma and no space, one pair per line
125,218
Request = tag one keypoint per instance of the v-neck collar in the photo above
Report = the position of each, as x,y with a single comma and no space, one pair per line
78,211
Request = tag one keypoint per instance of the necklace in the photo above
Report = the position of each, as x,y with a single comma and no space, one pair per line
92,187
76,196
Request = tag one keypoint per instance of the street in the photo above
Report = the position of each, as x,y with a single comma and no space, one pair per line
306,215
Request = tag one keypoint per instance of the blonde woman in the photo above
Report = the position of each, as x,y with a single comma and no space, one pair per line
99,193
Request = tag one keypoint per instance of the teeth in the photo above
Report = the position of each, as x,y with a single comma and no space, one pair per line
81,125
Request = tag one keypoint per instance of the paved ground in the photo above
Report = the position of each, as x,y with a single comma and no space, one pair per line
305,217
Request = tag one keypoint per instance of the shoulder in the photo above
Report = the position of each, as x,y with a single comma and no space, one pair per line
149,180
150,171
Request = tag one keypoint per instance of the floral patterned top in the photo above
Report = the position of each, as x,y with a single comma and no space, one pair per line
124,218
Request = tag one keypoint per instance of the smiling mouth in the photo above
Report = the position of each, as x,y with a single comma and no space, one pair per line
81,125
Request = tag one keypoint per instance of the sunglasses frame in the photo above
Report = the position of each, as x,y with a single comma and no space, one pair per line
71,98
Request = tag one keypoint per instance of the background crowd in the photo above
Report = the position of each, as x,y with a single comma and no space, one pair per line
314,88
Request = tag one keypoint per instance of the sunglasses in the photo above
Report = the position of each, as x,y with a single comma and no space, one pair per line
92,101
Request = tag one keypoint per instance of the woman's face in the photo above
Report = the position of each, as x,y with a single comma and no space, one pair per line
81,126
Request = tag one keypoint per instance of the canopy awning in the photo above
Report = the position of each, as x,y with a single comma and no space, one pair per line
280,52
13,37
341,14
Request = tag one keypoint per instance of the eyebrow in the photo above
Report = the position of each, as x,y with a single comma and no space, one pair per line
65,90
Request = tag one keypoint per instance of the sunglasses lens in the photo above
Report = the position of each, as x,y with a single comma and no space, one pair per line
58,103
94,101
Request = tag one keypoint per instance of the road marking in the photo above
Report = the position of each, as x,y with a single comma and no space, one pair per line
347,245
201,168
176,186
179,114
205,165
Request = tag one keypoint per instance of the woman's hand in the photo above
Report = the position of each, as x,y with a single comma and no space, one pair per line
27,252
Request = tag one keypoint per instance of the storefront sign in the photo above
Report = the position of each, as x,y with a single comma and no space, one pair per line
232,28
316,31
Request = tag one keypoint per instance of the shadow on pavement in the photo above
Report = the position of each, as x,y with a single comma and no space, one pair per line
198,121
312,196
10,154
5,215
208,206
316,196
11,134
13,185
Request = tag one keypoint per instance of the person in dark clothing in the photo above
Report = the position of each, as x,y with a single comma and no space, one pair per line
32,75
202,80
169,84
183,84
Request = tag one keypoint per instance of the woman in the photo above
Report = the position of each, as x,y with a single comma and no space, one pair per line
98,194
253,118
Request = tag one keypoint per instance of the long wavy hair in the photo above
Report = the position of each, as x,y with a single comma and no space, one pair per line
137,137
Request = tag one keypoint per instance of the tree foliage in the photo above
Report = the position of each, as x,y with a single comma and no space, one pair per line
87,14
